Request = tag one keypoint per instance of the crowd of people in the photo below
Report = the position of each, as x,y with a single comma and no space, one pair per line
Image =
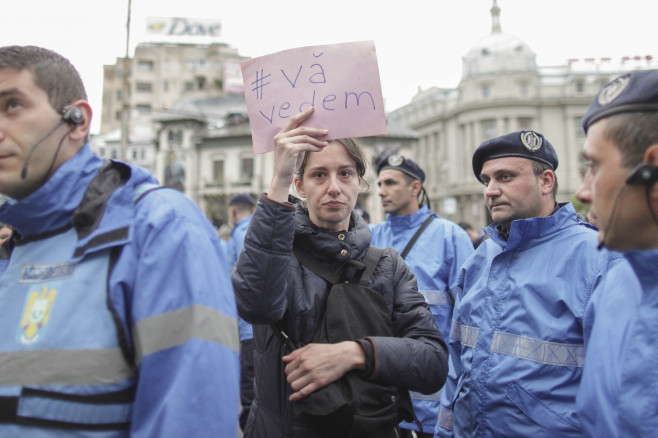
124,314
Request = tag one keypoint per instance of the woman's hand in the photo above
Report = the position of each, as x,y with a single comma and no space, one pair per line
289,144
317,365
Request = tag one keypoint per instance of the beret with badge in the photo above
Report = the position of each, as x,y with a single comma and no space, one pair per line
636,91
405,165
524,144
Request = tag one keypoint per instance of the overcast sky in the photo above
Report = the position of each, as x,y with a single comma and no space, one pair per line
419,42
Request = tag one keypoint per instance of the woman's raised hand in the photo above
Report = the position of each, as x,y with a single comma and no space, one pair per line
289,145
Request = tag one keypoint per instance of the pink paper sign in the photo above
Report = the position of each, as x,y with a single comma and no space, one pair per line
340,80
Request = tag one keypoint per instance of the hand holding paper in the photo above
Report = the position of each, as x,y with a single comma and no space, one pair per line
288,147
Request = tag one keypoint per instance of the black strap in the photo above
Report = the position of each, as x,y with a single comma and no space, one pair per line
126,395
9,408
151,188
370,260
415,237
311,262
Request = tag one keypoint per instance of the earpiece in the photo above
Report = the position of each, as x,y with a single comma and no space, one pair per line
645,174
73,116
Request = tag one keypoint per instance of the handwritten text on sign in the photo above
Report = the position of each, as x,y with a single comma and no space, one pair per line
340,80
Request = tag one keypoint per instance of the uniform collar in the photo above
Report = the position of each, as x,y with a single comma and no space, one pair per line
645,266
50,207
241,223
522,231
412,220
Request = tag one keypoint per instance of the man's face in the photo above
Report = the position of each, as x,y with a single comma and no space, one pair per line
601,187
233,215
331,186
399,197
5,232
512,190
25,118
584,193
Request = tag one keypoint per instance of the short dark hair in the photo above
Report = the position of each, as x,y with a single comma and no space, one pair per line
539,168
408,178
52,73
633,133
242,208
465,226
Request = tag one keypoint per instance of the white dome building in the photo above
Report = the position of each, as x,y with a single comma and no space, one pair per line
502,90
498,53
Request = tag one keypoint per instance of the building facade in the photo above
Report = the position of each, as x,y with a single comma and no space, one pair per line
188,112
216,149
160,74
188,108
502,90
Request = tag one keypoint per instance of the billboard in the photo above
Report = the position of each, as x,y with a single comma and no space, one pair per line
233,78
176,27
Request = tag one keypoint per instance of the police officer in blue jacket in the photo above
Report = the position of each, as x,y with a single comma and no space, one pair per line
117,315
241,208
516,342
619,390
433,247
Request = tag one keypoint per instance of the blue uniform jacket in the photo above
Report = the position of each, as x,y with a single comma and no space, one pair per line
167,320
233,247
435,259
619,391
236,242
516,345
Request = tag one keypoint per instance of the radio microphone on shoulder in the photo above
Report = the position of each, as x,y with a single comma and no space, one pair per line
72,116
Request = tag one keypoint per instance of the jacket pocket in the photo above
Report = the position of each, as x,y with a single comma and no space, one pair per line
458,390
541,414
445,417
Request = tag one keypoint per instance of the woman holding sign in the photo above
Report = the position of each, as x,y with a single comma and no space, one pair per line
375,338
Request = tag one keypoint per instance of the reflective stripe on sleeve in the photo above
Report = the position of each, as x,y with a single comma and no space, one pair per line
437,297
171,329
445,419
463,333
544,352
63,367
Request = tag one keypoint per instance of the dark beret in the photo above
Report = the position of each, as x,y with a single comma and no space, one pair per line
524,144
631,92
241,199
398,162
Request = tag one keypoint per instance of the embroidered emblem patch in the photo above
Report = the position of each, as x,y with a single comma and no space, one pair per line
395,160
531,141
35,315
611,91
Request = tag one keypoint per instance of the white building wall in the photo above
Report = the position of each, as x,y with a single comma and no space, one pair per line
551,100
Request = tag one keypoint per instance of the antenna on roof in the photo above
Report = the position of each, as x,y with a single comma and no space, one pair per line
495,18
